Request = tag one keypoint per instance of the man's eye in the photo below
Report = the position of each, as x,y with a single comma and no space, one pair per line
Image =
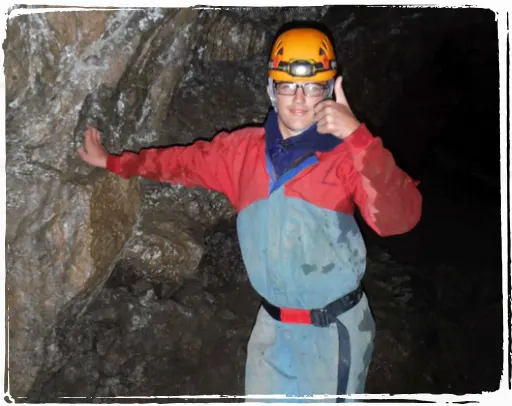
315,87
287,85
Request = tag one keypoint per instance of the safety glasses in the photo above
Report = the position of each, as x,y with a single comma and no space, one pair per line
310,89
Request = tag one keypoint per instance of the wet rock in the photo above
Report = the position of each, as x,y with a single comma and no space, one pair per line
141,287
164,290
75,245
158,347
222,263
112,387
114,359
105,341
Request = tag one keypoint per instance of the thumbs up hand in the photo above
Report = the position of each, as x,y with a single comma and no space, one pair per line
336,117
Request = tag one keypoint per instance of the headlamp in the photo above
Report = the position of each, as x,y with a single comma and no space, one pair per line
302,68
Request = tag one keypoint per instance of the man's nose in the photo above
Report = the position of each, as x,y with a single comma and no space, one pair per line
299,96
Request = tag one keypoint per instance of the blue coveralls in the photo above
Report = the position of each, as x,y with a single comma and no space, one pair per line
289,245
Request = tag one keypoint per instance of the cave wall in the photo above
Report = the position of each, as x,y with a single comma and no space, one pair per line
68,224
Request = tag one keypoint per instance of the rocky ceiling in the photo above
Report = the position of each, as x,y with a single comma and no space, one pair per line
117,288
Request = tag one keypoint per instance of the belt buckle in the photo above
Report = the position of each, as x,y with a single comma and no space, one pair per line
320,318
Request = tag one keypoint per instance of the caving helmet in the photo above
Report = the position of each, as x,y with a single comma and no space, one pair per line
301,55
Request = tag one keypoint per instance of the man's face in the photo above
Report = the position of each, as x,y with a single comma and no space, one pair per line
296,111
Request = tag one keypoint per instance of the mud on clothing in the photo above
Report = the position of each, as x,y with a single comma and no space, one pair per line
299,240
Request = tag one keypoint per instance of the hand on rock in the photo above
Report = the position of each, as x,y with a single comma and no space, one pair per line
94,154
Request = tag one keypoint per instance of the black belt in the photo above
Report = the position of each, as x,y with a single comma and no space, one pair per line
317,317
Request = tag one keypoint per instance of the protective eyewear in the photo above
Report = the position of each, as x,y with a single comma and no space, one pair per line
310,89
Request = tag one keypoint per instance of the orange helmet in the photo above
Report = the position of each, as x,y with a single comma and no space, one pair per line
302,55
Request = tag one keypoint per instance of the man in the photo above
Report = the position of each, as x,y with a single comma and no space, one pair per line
295,183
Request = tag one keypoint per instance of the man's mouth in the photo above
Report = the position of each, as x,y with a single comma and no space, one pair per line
298,112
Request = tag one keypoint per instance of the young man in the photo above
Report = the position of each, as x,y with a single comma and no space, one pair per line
295,183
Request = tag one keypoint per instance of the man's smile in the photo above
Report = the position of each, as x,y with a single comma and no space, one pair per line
298,112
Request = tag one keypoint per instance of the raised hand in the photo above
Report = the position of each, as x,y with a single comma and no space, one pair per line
94,154
336,117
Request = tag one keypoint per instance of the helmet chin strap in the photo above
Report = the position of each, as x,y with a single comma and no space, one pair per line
330,83
272,95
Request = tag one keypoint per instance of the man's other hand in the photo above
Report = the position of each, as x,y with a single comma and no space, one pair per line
94,154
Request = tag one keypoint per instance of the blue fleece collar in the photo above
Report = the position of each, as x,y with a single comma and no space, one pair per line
282,153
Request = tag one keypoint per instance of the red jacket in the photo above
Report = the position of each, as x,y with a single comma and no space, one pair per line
386,196
300,243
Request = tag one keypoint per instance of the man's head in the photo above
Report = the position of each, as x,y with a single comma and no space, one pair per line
301,69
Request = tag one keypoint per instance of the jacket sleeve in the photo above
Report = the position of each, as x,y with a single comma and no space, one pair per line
203,163
386,196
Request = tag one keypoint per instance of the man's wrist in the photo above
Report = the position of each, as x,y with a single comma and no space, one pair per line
351,129
359,139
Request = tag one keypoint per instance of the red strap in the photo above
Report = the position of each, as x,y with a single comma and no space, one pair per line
296,316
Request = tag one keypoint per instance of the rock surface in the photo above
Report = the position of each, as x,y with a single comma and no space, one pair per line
68,225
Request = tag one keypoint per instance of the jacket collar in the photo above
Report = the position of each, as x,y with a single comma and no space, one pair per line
310,140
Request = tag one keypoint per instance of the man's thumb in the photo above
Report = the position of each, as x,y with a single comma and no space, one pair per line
81,153
339,94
